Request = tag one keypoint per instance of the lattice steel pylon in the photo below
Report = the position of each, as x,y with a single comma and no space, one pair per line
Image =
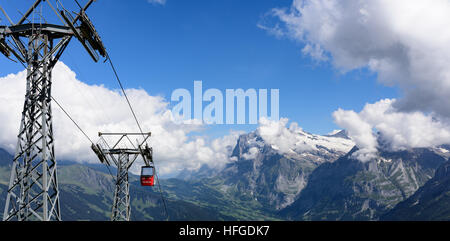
33,192
123,153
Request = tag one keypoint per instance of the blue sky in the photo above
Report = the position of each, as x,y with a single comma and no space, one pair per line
164,47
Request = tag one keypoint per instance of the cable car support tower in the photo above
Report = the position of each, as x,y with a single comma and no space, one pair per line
122,154
33,187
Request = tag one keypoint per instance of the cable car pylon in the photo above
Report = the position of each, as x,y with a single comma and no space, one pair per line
122,153
33,192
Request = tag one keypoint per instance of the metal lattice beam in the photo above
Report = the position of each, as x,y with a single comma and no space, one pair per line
33,188
121,206
33,192
122,153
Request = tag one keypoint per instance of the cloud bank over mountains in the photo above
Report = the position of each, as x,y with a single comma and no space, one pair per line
176,146
96,108
405,42
396,130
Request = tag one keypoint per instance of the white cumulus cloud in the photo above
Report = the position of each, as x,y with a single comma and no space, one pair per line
97,108
251,154
396,130
405,42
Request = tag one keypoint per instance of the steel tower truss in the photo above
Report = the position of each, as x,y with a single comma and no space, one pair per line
122,154
33,187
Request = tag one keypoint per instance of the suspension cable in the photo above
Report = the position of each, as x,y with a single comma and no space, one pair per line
108,58
162,197
73,121
123,91
80,129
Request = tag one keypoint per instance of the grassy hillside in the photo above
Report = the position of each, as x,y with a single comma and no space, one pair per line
86,193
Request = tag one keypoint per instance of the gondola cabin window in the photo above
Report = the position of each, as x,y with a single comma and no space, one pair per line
148,176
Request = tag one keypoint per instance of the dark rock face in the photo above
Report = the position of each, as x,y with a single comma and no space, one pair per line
430,202
348,189
269,176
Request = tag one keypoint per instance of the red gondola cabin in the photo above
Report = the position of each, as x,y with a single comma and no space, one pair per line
147,176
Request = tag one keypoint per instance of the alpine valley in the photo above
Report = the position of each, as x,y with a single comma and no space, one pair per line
316,178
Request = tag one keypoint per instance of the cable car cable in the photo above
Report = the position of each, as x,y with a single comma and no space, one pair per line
123,91
160,191
79,128
137,122
74,122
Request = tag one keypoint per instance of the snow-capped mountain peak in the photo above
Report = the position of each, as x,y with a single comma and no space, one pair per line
293,140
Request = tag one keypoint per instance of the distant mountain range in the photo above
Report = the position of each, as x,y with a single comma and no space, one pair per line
349,189
86,193
272,178
264,183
